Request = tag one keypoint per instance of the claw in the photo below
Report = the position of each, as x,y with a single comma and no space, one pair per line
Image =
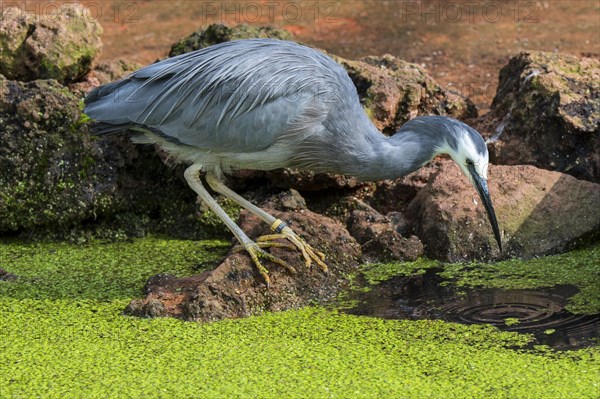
309,253
255,252
261,269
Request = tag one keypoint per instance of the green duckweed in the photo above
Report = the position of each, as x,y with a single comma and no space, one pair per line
100,271
580,268
64,336
378,272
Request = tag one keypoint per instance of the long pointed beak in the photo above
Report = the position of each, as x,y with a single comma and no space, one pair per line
484,194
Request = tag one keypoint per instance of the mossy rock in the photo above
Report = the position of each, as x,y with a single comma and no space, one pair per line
47,168
219,33
60,46
394,91
56,180
546,112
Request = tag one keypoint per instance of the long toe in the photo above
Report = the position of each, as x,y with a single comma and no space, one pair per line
309,254
265,244
256,253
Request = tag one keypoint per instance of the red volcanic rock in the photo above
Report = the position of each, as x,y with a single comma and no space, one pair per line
539,212
235,289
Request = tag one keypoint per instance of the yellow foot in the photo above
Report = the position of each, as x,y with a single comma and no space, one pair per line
284,232
256,253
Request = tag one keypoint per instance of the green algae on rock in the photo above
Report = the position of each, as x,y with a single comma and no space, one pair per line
47,168
546,112
60,46
57,181
219,33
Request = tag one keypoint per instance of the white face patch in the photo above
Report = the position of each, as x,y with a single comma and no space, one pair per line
467,152
484,169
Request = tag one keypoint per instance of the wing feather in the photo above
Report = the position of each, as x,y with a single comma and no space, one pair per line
238,96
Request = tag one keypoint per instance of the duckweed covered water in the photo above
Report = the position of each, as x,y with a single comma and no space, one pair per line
63,336
579,268
98,271
556,298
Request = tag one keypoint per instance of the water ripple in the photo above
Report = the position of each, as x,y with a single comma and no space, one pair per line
539,312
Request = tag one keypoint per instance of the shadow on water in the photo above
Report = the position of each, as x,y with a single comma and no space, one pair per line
537,312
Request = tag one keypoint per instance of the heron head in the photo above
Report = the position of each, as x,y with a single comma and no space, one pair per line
467,148
470,153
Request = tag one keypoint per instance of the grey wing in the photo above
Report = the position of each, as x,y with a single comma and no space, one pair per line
237,96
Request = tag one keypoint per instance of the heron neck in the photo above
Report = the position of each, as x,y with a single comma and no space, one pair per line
370,155
400,154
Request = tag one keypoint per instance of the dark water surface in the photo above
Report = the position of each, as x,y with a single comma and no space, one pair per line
538,312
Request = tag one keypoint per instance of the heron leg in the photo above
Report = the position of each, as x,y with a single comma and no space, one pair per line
193,179
279,227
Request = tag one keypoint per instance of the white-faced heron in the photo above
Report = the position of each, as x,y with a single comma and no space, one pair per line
265,104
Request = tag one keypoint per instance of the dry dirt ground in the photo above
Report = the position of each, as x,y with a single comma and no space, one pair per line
463,44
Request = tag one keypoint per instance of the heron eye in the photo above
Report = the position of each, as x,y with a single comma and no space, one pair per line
470,162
